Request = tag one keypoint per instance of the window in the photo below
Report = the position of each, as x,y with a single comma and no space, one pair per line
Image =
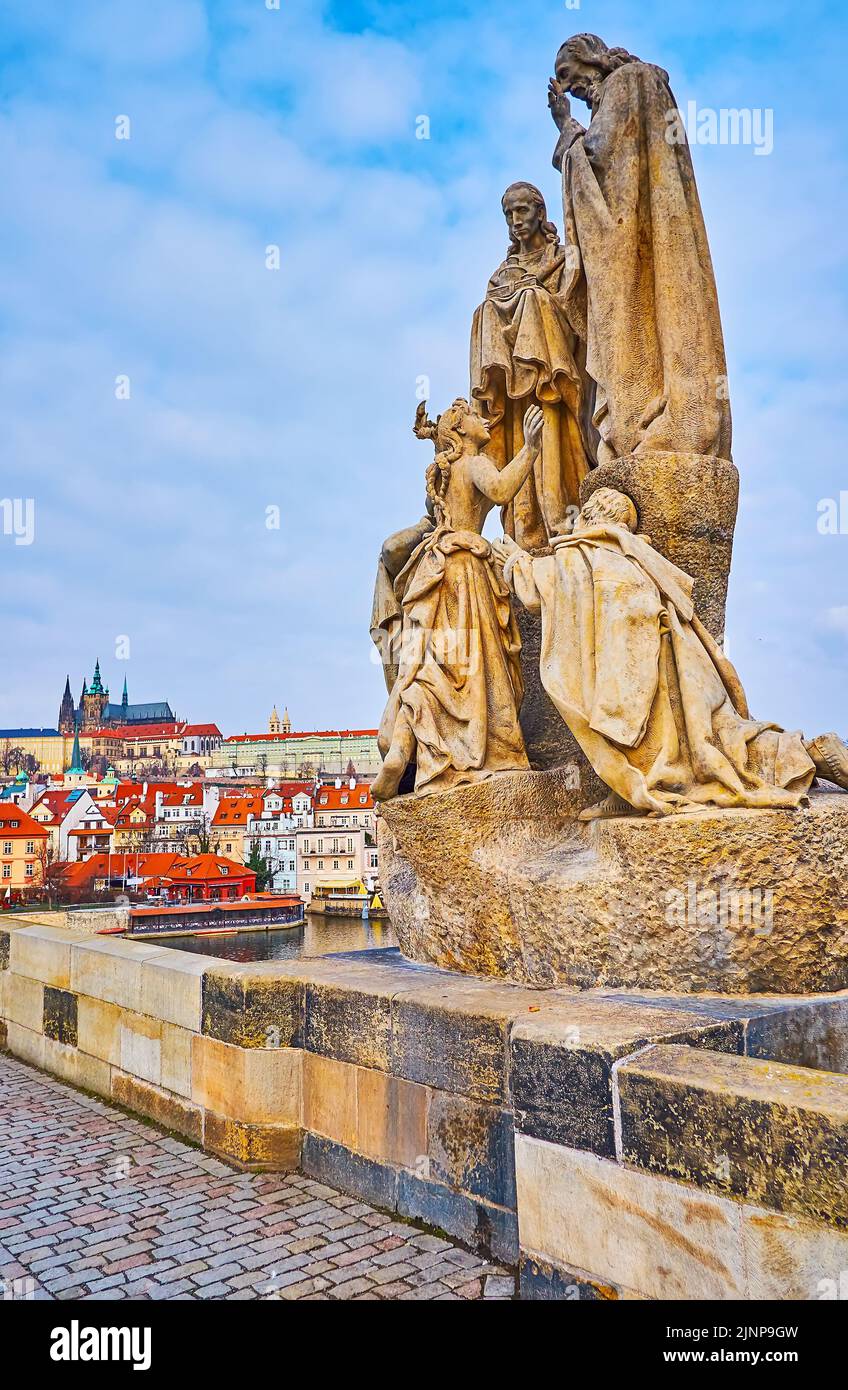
7,846
7,871
30,846
350,863
30,869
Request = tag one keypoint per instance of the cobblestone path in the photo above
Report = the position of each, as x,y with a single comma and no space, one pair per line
95,1204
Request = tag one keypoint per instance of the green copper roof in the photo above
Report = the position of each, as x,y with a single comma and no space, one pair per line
76,756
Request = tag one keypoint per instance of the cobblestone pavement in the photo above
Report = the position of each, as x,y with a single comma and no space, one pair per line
95,1204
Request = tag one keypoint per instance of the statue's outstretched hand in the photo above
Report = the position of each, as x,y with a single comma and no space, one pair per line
559,104
533,422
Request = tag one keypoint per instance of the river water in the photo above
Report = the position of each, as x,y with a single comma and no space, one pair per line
320,935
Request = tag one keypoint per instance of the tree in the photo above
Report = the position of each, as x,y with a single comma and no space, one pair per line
263,868
52,873
198,836
12,757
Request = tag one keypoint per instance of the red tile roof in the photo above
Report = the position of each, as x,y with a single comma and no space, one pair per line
234,811
16,824
344,798
199,868
56,802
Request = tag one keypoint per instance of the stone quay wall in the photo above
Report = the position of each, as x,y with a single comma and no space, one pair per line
614,1145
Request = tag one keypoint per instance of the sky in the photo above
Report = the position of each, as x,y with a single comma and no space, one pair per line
167,394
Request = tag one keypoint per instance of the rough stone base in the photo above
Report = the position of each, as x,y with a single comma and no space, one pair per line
687,505
501,879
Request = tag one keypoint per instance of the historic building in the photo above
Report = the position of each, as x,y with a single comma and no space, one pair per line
324,753
96,710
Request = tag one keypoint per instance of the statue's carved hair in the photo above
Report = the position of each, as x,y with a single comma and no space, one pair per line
447,441
589,49
549,230
608,504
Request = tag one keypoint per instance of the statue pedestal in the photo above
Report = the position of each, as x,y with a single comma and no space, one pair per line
687,505
500,879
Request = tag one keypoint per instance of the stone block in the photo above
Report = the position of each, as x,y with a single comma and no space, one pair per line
171,988
561,1065
627,1228
790,1258
773,1135
77,1068
329,1099
163,1107
391,1118
99,1029
23,1001
256,1085
5,938
541,1281
141,1048
26,1044
42,953
813,1033
449,1039
176,1059
252,1007
349,1023
486,1228
110,969
253,1146
471,1148
361,1177
60,1015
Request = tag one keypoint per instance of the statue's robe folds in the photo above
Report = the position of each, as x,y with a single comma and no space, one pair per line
386,613
642,292
522,354
638,688
459,679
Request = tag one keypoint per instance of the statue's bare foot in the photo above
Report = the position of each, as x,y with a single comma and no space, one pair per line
830,756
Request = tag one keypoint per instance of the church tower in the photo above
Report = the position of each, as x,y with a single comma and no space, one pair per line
286,724
94,701
67,716
274,722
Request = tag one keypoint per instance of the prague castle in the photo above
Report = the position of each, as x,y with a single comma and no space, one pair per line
96,711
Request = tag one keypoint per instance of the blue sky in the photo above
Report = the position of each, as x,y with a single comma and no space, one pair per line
252,388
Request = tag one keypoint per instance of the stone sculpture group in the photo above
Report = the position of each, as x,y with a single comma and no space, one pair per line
599,422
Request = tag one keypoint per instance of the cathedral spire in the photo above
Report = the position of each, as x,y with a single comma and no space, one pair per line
76,756
66,709
125,696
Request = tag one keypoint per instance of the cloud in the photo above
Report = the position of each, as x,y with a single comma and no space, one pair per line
296,388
